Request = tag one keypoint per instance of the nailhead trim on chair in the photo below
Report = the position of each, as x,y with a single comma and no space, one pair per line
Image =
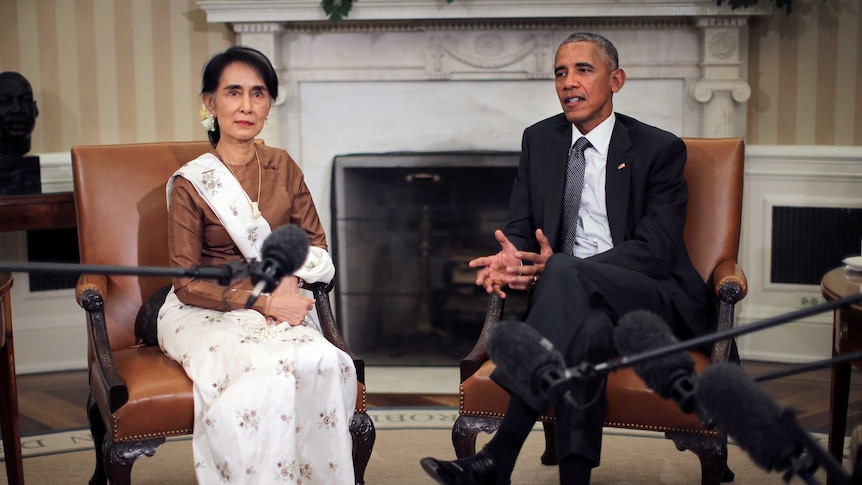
190,431
487,414
83,289
613,424
147,436
734,280
364,407
664,429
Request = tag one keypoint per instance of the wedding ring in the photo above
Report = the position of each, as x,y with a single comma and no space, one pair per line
535,279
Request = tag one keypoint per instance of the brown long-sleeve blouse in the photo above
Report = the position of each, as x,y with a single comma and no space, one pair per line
196,237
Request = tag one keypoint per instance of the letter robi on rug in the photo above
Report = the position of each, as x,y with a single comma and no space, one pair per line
404,436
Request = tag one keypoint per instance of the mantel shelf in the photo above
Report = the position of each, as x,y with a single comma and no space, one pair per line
284,11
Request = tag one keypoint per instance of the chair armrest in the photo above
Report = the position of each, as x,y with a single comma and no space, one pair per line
478,355
90,298
730,288
94,282
328,326
730,284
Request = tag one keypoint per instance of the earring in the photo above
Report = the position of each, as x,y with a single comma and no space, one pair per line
266,121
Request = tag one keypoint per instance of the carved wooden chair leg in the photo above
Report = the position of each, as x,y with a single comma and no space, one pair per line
97,430
466,429
10,427
712,453
549,457
119,458
364,435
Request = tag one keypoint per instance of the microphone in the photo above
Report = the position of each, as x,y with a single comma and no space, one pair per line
748,415
529,361
772,438
283,252
671,376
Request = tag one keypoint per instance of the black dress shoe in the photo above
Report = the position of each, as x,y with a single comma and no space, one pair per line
478,469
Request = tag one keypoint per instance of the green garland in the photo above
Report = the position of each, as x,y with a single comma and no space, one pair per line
735,4
337,10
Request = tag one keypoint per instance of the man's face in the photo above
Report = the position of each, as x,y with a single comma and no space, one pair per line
585,84
17,109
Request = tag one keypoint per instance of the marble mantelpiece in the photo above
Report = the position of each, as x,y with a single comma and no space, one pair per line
424,75
238,11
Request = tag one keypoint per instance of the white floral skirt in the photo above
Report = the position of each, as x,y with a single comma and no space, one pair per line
270,406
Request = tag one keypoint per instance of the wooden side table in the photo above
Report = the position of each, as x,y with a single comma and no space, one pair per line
9,426
37,211
846,338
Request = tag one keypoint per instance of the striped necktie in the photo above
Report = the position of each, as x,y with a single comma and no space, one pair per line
572,197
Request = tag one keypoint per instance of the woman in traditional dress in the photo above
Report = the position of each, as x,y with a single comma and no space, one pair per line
273,398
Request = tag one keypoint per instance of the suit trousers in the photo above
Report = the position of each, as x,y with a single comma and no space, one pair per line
575,306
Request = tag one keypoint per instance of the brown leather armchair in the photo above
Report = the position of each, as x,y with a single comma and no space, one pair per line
714,172
138,396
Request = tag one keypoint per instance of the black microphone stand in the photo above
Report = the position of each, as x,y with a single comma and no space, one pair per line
586,370
803,466
802,368
828,460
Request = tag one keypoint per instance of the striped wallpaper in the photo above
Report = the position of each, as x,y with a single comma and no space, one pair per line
120,71
106,71
805,73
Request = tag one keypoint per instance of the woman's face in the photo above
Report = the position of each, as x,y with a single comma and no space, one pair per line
240,104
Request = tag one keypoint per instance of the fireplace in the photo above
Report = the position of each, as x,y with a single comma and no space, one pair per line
406,224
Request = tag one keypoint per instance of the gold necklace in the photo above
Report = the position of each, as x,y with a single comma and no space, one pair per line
255,209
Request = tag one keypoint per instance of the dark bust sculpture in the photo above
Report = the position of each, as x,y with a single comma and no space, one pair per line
19,173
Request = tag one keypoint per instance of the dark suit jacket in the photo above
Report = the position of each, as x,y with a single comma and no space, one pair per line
646,197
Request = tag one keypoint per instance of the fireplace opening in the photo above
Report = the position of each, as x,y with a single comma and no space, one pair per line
405,227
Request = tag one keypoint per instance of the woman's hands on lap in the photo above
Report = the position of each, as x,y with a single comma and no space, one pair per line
286,304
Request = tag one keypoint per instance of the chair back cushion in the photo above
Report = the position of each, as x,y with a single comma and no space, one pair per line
714,172
122,219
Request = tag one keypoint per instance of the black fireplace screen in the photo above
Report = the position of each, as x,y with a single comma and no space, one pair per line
405,226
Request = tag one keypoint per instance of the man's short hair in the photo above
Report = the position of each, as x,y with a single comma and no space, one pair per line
605,46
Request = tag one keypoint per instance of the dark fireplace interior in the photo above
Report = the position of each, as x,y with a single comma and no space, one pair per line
405,226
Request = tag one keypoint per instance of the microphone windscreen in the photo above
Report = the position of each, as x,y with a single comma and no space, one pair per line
642,331
287,246
521,354
748,415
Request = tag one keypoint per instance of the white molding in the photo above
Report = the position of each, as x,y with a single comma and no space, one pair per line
799,176
375,10
49,328
796,343
56,171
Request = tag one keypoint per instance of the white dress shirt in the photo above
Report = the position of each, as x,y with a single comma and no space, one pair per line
593,234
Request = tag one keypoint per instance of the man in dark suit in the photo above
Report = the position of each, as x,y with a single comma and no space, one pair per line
619,249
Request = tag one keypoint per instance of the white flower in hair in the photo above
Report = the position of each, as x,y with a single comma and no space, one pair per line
207,120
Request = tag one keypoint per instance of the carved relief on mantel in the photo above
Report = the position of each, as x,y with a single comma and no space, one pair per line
522,54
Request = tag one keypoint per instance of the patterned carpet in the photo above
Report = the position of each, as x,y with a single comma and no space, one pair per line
404,436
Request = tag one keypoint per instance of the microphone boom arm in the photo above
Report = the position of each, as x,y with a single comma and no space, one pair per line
626,361
224,275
